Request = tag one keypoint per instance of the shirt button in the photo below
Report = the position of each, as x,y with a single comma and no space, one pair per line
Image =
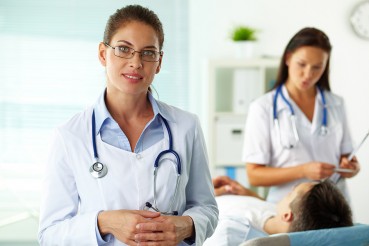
138,156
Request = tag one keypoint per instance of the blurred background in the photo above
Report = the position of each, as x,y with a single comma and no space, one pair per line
49,71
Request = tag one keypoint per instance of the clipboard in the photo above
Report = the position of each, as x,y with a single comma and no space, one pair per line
346,170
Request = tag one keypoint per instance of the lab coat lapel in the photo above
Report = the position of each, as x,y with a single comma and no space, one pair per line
318,115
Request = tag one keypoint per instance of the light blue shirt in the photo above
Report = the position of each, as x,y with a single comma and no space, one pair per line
111,134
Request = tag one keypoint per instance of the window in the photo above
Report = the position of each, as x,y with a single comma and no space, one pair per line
50,71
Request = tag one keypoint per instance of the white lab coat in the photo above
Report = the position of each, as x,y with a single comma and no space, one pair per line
262,146
73,198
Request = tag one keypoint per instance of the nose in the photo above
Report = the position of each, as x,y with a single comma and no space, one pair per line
136,61
309,72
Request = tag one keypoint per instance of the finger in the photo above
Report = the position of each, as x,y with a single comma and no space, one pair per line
328,166
147,214
222,190
344,161
154,226
149,236
153,243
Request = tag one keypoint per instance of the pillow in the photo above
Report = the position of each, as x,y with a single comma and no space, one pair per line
357,235
352,235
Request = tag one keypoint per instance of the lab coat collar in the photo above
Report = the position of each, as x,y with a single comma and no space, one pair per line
102,113
281,104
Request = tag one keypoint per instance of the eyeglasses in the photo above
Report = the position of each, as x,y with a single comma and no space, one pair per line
127,53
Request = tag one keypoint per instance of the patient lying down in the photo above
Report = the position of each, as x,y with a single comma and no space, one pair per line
310,206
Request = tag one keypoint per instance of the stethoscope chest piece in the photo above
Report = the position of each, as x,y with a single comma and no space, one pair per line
323,130
98,170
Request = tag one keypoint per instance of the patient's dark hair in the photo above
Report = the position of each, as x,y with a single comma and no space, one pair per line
323,206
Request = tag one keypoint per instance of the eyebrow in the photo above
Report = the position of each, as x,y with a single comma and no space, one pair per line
128,43
317,64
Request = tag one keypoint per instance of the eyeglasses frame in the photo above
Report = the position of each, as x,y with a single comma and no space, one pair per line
135,51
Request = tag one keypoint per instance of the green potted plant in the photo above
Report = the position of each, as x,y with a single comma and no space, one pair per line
244,33
244,38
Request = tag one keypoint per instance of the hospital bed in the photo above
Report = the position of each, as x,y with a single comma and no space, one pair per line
234,229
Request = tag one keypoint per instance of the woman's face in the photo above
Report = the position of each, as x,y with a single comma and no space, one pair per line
130,76
305,66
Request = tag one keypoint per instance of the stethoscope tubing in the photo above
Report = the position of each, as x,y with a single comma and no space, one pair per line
278,92
99,170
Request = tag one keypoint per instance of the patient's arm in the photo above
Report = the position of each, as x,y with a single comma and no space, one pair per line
225,185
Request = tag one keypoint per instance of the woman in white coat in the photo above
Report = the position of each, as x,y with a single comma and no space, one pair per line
118,201
282,151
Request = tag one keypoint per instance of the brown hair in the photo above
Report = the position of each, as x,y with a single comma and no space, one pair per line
312,37
133,13
323,206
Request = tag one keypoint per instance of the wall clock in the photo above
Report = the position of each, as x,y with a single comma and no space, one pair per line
360,19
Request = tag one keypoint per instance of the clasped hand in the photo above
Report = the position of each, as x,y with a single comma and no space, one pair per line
137,227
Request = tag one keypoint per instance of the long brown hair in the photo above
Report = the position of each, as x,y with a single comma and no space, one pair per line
307,36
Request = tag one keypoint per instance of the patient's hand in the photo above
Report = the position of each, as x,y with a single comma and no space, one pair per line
224,185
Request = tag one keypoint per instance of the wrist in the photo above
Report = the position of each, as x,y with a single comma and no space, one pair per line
190,234
301,171
102,223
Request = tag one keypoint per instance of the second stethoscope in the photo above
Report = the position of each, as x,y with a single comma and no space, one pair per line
99,170
323,127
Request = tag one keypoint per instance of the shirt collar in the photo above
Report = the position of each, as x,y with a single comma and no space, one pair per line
161,108
102,113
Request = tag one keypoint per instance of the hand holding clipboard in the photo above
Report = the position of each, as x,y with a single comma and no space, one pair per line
349,158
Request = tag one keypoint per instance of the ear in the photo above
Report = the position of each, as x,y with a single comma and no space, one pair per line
288,216
102,54
159,66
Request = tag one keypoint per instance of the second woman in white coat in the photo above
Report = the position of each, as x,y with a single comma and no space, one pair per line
281,151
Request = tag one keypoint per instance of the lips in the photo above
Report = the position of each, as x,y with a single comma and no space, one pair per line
132,77
305,83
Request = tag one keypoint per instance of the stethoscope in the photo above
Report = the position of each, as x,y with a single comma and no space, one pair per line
99,170
323,127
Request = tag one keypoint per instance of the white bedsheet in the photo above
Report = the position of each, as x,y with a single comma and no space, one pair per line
234,225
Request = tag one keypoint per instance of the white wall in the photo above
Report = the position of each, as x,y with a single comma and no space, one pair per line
211,21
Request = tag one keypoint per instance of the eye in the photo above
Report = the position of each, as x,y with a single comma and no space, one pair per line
300,64
123,49
148,53
317,68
